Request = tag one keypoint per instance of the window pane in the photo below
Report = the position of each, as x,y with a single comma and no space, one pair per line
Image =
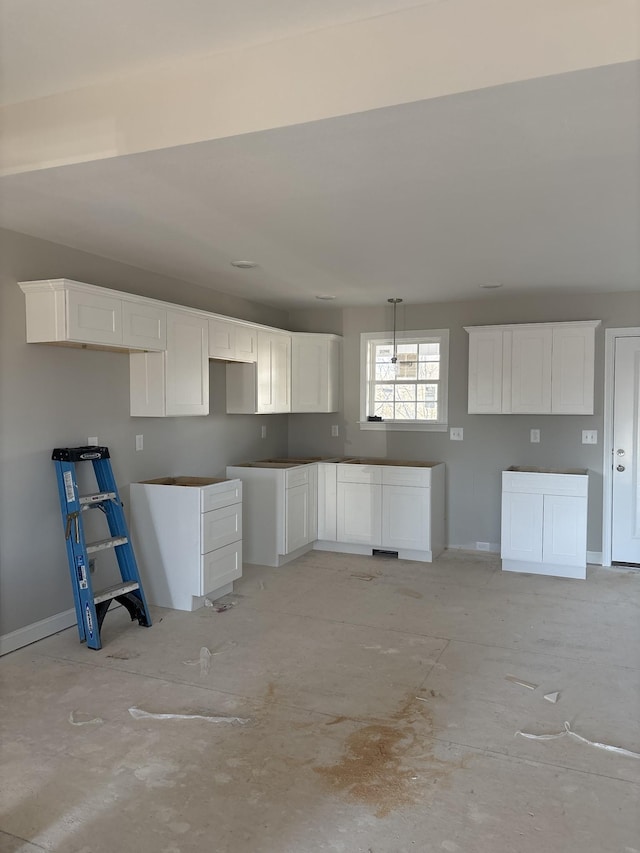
383,392
407,366
384,410
385,371
429,352
383,352
427,411
429,370
405,411
405,393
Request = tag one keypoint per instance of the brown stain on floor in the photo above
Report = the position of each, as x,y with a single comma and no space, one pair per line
387,764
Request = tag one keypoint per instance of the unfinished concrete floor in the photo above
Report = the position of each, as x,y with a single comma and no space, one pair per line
378,718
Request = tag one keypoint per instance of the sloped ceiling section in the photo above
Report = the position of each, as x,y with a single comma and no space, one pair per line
419,153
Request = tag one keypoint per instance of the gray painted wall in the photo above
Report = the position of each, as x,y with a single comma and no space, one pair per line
57,396
491,442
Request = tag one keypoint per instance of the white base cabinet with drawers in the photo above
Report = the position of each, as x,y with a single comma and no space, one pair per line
187,535
280,511
544,522
365,507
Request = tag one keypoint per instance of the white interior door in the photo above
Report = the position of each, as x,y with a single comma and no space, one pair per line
625,520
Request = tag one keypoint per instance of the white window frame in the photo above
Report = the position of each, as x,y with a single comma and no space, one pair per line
440,336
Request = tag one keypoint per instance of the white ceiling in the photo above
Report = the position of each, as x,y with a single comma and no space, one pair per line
51,46
534,184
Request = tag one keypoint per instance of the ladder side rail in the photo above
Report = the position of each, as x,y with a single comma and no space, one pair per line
117,523
88,628
71,558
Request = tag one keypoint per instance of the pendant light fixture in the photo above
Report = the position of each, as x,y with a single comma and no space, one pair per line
395,303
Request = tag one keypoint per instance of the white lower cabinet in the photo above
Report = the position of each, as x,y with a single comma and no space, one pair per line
394,507
359,508
544,522
405,517
301,511
187,535
280,510
174,382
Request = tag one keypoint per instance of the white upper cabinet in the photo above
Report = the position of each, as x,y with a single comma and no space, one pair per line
572,370
485,371
264,387
274,376
231,341
315,373
174,382
143,326
532,368
64,311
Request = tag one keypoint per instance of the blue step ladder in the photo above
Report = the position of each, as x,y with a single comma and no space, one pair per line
91,607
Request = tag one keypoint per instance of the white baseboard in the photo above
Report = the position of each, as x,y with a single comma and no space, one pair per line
594,558
36,631
494,548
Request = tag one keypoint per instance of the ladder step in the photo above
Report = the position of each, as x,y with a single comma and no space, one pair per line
103,544
97,498
114,591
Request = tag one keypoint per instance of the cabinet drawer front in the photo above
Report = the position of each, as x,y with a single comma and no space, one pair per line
296,477
221,494
221,527
545,484
220,567
400,476
360,474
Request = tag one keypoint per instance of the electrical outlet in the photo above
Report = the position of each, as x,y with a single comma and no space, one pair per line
335,430
263,431
456,434
92,440
589,436
534,436
139,442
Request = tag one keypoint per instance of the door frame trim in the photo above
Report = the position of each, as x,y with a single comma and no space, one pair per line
611,335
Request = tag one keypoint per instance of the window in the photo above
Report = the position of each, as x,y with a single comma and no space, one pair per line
410,394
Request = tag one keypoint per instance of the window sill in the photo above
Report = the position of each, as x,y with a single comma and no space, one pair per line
400,427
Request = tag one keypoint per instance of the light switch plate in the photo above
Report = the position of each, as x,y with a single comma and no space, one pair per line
589,436
92,440
139,442
534,436
263,431
456,434
335,430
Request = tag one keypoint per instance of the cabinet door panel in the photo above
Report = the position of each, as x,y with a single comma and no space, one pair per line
187,365
222,342
406,517
565,530
144,326
246,344
297,512
522,517
531,370
94,318
359,518
572,371
327,499
274,357
485,372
